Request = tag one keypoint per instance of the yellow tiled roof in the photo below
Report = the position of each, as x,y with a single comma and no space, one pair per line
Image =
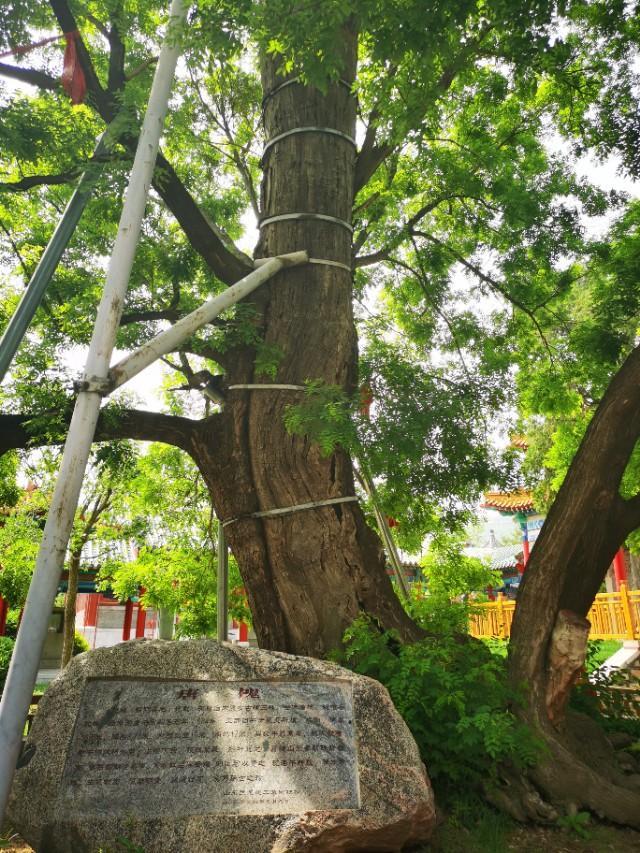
520,442
519,501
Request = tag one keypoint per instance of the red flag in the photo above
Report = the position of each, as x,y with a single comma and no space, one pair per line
73,80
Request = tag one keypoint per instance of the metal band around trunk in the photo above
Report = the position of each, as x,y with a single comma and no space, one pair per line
321,261
261,387
328,263
287,509
323,217
290,82
331,131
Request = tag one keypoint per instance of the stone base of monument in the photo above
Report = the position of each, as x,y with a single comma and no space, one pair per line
167,747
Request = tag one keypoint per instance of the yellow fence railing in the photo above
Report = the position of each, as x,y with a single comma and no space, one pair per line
613,616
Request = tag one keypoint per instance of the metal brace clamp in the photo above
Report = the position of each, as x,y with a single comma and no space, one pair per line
93,385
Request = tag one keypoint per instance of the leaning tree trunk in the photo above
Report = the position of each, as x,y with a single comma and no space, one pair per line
69,620
308,573
586,525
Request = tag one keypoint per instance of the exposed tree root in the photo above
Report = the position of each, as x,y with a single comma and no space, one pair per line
582,773
514,795
578,773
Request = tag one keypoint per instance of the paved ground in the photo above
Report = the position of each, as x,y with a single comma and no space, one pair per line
46,675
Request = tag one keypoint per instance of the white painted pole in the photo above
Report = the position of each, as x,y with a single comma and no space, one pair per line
35,620
383,526
181,331
223,586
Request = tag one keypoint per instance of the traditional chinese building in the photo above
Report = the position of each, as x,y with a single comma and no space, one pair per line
519,506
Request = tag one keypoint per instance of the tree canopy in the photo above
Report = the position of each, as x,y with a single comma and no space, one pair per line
469,242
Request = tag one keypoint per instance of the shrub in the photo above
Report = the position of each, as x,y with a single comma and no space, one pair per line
454,697
454,584
79,644
11,628
611,699
6,650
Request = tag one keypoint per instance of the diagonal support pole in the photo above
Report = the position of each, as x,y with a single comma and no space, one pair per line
366,481
35,290
26,654
181,331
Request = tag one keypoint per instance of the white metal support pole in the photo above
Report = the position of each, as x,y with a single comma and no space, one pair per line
33,628
181,331
223,586
390,546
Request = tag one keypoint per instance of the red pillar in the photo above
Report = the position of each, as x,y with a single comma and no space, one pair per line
128,616
244,633
619,568
91,610
526,550
4,609
142,616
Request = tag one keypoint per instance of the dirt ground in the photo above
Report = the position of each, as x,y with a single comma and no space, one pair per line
496,839
499,839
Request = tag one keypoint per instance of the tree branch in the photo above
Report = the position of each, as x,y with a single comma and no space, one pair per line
629,514
205,351
128,423
14,246
68,24
116,76
372,155
31,181
234,154
492,283
170,314
227,262
31,76
134,72
405,229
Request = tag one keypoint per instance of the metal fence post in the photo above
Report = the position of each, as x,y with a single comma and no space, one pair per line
629,627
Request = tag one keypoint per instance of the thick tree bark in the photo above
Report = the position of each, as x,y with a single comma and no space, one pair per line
309,573
586,525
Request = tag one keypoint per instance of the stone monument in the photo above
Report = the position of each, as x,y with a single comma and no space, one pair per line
165,747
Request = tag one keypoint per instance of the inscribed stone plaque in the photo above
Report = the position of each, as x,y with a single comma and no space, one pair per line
180,748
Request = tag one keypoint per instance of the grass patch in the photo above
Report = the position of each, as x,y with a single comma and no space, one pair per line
600,651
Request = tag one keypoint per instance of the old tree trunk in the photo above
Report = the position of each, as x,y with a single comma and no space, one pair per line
308,573
586,524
